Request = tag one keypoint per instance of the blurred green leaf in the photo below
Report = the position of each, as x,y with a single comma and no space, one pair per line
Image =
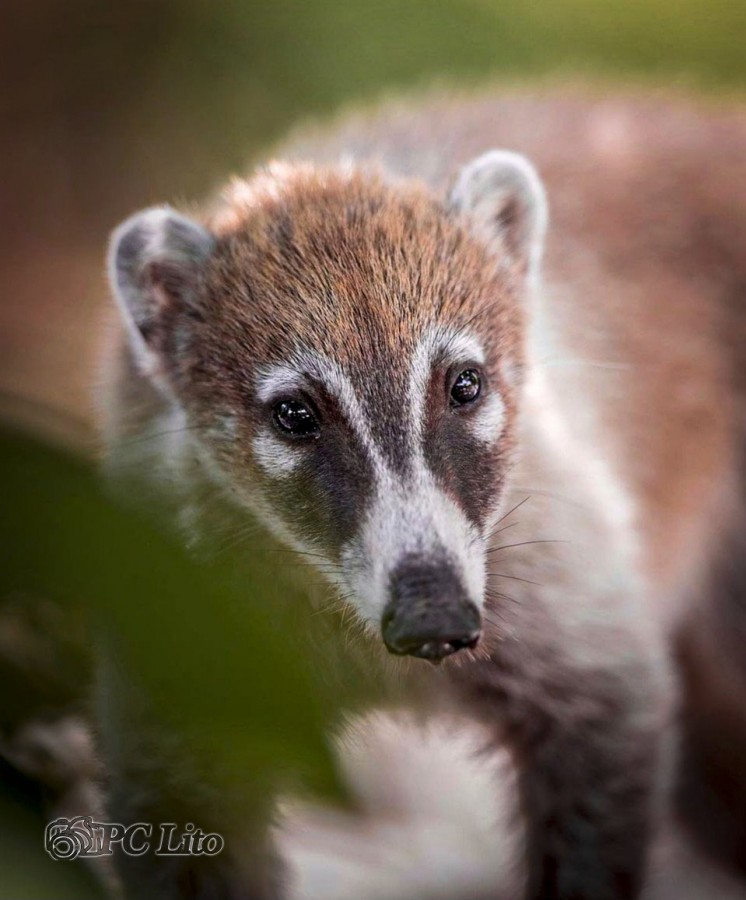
221,661
26,871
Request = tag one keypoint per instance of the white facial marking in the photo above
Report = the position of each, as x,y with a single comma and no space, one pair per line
277,381
488,421
409,514
274,455
451,346
410,517
285,379
461,345
336,381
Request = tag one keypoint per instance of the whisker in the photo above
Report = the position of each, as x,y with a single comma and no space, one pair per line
514,578
307,553
525,544
335,604
590,363
510,513
544,493
143,438
245,532
491,614
491,595
231,540
497,623
493,534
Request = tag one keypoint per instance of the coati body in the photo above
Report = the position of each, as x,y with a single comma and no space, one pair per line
369,347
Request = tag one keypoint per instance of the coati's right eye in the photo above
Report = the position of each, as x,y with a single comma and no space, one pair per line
466,388
294,418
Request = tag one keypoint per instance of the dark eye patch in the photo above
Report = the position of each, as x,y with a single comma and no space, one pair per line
323,499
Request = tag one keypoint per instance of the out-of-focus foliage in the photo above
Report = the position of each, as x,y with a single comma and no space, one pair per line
225,662
26,872
210,651
161,97
108,105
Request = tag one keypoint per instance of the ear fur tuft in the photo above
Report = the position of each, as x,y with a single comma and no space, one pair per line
502,194
155,259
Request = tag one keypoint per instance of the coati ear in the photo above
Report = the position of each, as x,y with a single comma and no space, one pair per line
155,262
503,196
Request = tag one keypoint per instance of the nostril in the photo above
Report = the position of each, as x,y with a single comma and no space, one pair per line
467,642
434,636
429,614
436,650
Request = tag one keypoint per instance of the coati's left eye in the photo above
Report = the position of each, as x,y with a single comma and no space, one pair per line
466,387
295,418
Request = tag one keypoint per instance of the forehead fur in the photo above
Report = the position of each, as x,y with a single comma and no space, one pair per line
351,264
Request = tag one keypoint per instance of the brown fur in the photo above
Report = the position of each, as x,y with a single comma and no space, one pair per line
644,264
643,290
351,265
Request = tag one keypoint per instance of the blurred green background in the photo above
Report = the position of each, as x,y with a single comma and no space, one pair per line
106,106
109,106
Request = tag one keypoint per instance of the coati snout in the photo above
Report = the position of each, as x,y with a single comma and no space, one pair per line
429,615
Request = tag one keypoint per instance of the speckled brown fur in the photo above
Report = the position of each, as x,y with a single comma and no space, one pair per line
637,334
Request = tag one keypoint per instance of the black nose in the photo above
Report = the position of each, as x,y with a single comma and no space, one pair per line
429,615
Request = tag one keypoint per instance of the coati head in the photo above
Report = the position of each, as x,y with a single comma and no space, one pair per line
348,350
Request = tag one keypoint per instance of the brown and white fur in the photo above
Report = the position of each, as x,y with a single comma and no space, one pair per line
361,275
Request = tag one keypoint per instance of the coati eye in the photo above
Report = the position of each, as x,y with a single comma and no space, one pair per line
295,419
466,387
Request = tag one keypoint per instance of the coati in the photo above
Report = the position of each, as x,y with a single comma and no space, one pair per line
390,348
